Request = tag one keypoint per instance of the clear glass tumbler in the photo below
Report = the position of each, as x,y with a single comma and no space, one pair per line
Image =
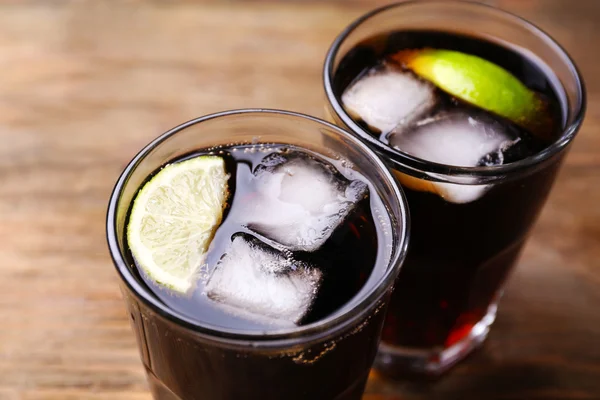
328,359
460,254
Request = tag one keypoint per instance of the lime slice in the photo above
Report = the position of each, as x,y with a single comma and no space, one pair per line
174,218
480,83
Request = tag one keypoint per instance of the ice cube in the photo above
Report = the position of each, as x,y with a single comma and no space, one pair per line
525,145
301,201
257,282
456,138
388,98
453,138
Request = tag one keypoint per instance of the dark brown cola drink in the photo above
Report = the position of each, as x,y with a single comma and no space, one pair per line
288,299
345,261
465,239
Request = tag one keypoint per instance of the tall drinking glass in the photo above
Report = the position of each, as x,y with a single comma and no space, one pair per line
462,250
186,359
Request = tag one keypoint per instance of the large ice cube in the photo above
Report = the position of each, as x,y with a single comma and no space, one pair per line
388,98
301,200
453,138
456,138
257,282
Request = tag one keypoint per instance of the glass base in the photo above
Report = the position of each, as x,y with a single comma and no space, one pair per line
158,390
398,362
161,392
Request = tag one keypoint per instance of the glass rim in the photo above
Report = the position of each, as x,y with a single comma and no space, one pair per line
404,161
300,335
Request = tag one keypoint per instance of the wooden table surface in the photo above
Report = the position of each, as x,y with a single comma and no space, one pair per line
84,85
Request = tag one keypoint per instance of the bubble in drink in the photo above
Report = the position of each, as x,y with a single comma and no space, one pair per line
258,282
301,200
388,99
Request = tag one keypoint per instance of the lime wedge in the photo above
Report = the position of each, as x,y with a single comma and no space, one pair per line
481,83
174,218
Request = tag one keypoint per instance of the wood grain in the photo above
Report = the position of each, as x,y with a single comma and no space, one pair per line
85,84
